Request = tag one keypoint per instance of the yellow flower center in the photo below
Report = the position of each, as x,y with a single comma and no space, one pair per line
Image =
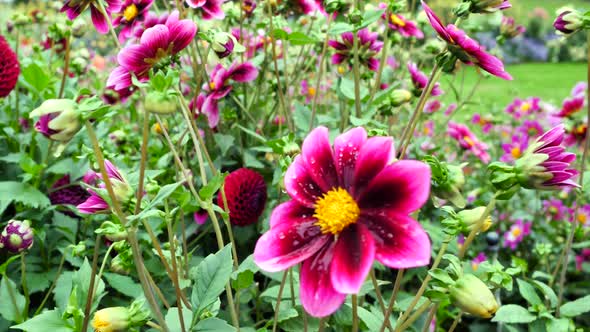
582,218
426,130
515,152
130,12
247,8
553,210
469,140
311,91
341,70
335,211
516,232
212,85
581,129
525,107
486,224
396,20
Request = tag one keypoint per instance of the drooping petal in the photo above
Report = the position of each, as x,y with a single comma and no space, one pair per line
119,79
133,57
244,72
318,296
436,23
346,151
403,187
300,185
400,241
374,155
94,204
99,21
289,211
318,157
289,243
211,110
353,257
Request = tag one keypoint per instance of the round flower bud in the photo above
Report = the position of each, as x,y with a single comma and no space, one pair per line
17,236
245,192
59,119
111,319
568,22
160,103
473,296
400,96
9,68
470,218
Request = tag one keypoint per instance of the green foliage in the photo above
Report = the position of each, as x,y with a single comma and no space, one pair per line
210,278
514,314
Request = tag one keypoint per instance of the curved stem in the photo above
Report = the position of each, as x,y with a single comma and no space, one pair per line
91,287
278,305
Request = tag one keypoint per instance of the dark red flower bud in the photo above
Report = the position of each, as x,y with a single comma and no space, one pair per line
245,191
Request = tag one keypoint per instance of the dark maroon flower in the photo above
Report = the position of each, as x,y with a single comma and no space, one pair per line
64,192
245,192
9,68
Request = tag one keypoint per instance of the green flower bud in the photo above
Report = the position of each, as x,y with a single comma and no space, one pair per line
399,97
473,296
470,218
59,119
160,103
113,232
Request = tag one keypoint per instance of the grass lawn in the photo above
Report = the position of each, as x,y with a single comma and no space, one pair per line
550,81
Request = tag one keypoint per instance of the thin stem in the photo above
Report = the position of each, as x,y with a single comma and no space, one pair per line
23,282
379,297
322,324
145,134
428,321
91,288
320,74
396,286
104,263
382,61
414,316
57,274
477,227
355,316
109,22
456,322
356,72
579,197
66,68
278,305
172,240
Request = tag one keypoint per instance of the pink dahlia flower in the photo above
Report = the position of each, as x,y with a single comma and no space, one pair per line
211,8
576,134
95,203
468,141
405,27
521,107
555,209
515,148
571,106
245,193
17,236
583,217
156,46
132,13
151,19
516,233
350,205
568,22
368,47
532,128
74,8
420,80
219,87
480,258
309,6
484,122
464,48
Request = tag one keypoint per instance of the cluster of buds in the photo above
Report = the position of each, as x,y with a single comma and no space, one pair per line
481,7
570,21
509,29
17,236
115,319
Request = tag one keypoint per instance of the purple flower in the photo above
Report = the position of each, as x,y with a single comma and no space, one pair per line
219,87
420,80
480,258
63,192
509,29
350,206
398,23
571,106
432,106
59,119
74,8
95,203
532,128
156,46
131,14
200,216
368,47
468,141
568,22
151,19
485,123
520,107
17,236
515,148
583,217
211,8
555,209
516,233
450,109
464,48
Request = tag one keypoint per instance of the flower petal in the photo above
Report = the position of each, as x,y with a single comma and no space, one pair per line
99,21
155,38
400,241
375,154
287,212
353,257
403,187
346,151
318,296
299,184
318,157
288,243
244,72
182,34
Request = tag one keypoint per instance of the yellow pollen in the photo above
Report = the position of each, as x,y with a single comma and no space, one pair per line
335,211
553,210
516,232
581,129
469,140
247,8
582,218
525,107
130,12
212,85
427,130
396,20
341,70
474,266
311,91
515,152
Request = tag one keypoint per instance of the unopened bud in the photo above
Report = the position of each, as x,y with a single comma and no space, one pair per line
473,296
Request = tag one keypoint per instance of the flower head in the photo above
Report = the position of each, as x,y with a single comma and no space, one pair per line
211,9
484,121
521,107
132,13
582,258
9,68
471,295
464,48
63,192
509,29
420,80
350,205
74,8
489,6
59,119
17,236
583,215
368,47
245,192
480,258
468,141
516,233
568,22
122,190
399,23
515,148
555,209
531,128
571,106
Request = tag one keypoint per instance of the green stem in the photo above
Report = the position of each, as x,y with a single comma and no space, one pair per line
456,322
396,286
66,68
356,73
90,295
23,281
57,274
320,74
176,281
431,313
104,263
380,298
414,316
355,316
278,305
145,134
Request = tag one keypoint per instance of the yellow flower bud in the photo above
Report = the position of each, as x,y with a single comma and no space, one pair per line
113,319
473,296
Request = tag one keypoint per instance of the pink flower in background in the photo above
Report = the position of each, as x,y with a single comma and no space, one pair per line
521,107
432,106
515,148
485,123
582,258
516,233
531,128
580,89
132,13
211,8
509,29
95,203
397,22
583,217
468,141
450,109
308,91
571,106
464,48
200,217
309,6
74,8
350,206
480,258
420,80
219,87
576,134
155,48
368,45
151,19
555,209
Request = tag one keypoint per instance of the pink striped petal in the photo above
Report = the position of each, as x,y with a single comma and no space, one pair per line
375,154
299,184
155,38
244,72
99,20
288,211
318,296
346,151
181,34
319,160
353,257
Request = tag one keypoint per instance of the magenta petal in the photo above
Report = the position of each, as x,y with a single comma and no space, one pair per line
156,37
400,241
403,187
318,296
244,72
318,157
99,21
338,58
211,110
133,57
182,34
346,151
288,211
119,79
289,243
436,23
375,154
299,184
94,204
353,257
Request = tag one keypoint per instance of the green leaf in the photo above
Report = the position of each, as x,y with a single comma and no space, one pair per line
173,319
558,325
512,313
207,192
225,142
547,291
370,17
300,38
210,278
279,34
243,277
12,191
347,89
12,303
123,284
34,75
339,28
576,308
62,289
4,265
527,291
213,325
47,321
372,321
162,194
442,275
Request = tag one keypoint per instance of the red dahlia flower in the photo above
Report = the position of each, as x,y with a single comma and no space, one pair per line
245,192
9,68
350,205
